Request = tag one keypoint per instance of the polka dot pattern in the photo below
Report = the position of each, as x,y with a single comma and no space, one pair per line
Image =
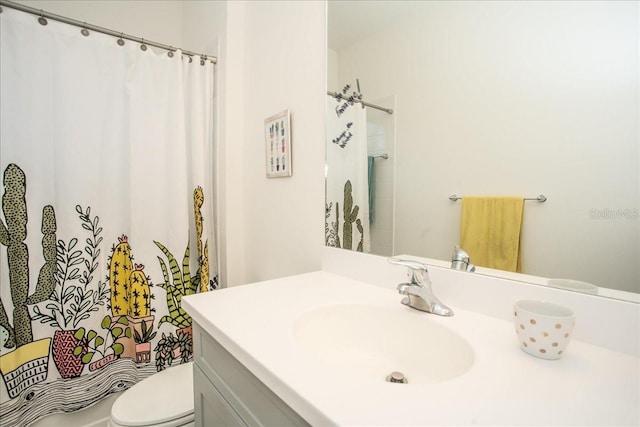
543,330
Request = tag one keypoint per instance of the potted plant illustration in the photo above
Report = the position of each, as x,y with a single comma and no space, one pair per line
29,360
203,250
177,285
179,282
143,342
90,343
74,297
130,293
170,348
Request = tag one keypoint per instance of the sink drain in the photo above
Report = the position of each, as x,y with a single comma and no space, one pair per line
396,377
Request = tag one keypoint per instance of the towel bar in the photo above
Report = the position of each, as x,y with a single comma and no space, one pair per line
541,198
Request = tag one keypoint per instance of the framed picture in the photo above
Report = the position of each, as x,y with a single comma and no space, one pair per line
277,136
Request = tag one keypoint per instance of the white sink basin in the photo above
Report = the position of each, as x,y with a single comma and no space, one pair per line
367,343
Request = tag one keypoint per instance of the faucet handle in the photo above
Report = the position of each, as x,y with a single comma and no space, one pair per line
419,294
417,271
460,260
414,265
459,254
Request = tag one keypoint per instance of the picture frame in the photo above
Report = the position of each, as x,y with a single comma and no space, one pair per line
277,136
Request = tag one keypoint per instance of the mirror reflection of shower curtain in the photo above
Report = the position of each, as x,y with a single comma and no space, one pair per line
106,156
347,203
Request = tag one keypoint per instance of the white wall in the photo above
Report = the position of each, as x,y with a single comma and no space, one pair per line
332,70
156,20
515,98
284,69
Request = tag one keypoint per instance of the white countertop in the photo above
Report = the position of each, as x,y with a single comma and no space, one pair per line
590,385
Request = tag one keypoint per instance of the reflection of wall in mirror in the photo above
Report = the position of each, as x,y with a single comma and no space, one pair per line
515,98
380,140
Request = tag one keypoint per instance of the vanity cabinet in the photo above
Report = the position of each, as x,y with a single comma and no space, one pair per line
228,394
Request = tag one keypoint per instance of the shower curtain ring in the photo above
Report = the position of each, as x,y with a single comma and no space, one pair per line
84,30
143,46
202,59
42,20
121,40
170,53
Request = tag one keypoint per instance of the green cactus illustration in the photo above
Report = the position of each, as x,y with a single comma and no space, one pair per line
177,285
130,287
336,225
139,293
330,232
4,336
361,230
203,255
350,213
120,268
13,235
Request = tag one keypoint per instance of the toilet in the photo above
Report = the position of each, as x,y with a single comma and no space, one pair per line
164,399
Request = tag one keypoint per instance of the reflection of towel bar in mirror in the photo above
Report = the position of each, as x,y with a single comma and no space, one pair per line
541,198
379,156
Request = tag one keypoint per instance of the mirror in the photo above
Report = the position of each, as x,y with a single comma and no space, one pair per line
493,98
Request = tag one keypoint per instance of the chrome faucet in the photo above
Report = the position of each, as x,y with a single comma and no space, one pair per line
419,294
460,260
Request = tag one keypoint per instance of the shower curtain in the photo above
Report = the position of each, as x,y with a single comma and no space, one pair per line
107,213
347,182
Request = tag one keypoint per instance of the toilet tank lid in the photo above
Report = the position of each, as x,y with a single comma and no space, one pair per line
159,398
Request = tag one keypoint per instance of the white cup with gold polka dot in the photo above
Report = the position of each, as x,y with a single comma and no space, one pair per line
544,329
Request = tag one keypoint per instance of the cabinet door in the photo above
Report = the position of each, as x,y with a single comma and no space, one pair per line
211,409
249,397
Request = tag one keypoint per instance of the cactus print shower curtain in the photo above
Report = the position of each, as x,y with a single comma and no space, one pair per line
107,213
347,182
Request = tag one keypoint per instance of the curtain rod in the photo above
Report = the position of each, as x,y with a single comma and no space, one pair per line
339,96
42,14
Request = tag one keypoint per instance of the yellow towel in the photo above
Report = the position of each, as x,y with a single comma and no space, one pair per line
490,231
